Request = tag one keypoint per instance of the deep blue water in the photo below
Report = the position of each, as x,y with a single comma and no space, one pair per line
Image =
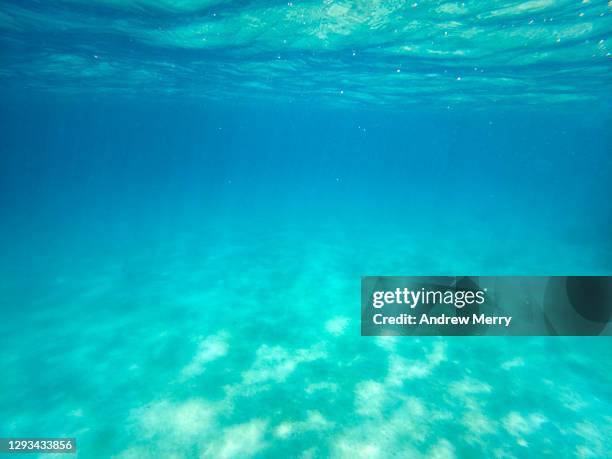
190,192
99,175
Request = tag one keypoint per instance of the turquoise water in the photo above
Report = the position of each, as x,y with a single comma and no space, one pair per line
191,191
369,52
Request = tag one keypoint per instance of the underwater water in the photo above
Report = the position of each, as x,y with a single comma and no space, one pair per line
190,192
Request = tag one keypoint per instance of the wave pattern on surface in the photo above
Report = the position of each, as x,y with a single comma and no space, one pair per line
369,52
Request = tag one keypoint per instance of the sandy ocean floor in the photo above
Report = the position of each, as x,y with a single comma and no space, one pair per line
250,347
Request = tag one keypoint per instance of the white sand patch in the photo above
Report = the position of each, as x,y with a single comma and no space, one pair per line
470,392
337,326
401,369
389,432
321,386
373,398
518,425
501,453
314,421
388,343
514,363
370,398
238,441
593,437
571,399
395,417
273,364
413,420
478,425
351,448
192,418
469,386
172,430
284,430
443,449
209,349
414,408
438,354
391,417
310,453
584,452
